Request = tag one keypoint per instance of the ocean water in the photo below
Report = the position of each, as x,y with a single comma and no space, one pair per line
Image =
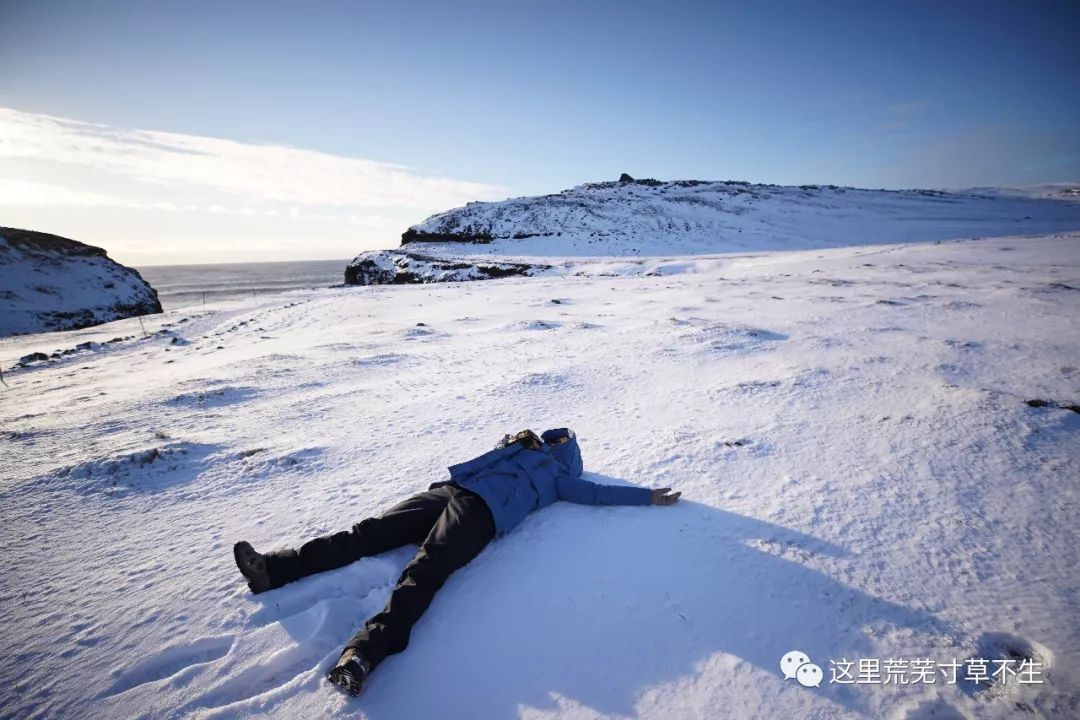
185,285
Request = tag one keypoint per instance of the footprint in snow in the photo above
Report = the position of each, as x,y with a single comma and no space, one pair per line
832,282
1013,653
753,387
934,710
960,305
548,381
533,325
725,337
382,359
964,344
420,330
214,398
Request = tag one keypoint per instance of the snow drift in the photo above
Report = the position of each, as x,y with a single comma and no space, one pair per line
49,283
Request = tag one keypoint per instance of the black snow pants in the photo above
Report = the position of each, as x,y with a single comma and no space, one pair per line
450,524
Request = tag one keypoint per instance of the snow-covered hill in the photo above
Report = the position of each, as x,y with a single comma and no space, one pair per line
875,445
651,218
49,283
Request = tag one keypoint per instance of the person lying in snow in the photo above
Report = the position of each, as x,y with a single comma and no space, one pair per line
452,522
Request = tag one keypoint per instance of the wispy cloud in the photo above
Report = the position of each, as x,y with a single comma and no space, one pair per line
245,171
60,165
15,191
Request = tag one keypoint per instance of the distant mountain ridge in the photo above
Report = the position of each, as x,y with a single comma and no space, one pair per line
651,218
50,283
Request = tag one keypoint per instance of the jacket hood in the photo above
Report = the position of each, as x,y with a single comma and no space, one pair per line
567,454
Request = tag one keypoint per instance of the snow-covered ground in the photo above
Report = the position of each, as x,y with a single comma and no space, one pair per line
862,475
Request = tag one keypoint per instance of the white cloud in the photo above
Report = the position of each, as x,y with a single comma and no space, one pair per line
244,170
111,185
14,191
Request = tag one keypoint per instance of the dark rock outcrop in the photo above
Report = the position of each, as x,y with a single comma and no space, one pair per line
398,267
411,235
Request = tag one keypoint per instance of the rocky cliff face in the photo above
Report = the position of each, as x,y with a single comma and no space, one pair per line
50,283
398,267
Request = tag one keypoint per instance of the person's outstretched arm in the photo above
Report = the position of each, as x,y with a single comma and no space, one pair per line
580,491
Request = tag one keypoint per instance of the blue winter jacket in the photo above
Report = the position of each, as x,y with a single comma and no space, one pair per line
514,481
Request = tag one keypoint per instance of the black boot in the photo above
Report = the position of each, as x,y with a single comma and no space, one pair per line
350,672
253,566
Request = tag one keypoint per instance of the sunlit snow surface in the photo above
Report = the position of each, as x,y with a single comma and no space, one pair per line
862,476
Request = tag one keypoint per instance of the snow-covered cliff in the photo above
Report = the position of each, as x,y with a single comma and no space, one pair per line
693,216
52,283
649,218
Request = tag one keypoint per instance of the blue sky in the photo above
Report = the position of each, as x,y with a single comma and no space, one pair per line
525,98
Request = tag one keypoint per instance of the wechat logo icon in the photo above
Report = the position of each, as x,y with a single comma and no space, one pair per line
796,665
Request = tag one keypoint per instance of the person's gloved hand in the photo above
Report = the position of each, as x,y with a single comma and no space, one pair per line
664,496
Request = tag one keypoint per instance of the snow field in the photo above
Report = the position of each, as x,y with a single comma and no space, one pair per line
862,477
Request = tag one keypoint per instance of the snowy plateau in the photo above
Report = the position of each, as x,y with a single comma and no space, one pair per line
871,413
632,221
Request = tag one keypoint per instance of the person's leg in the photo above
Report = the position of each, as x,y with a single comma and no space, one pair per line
407,523
460,533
